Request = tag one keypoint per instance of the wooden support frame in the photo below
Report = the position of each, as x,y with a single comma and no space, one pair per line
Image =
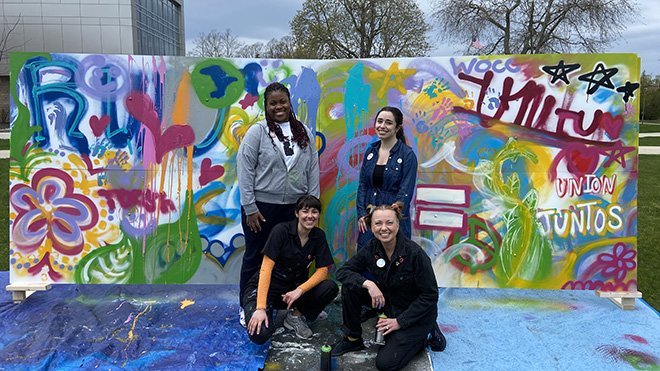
624,299
20,292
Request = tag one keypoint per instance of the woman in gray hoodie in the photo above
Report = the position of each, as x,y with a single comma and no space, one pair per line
277,162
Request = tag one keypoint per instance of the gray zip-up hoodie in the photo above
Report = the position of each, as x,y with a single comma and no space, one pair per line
263,175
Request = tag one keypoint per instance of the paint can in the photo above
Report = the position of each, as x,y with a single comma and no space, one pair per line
379,339
326,359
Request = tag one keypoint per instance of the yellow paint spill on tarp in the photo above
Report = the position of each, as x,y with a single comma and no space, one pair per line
186,302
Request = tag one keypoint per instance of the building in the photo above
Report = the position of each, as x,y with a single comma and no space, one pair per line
150,27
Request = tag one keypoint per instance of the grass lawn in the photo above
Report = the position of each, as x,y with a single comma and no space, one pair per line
4,143
649,127
649,141
648,202
648,208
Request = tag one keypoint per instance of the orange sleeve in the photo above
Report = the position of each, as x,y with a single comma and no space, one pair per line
264,281
319,276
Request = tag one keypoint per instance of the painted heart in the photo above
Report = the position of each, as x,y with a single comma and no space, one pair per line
612,125
98,125
177,136
209,172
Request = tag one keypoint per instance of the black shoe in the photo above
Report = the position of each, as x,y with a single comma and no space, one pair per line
344,346
437,342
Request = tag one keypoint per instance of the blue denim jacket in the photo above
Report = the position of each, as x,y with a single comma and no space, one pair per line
398,183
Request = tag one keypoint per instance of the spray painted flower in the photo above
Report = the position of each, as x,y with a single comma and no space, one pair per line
618,263
50,209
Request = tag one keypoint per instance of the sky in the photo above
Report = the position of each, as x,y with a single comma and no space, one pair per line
261,20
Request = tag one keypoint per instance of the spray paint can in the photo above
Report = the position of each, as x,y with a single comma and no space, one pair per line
326,359
379,339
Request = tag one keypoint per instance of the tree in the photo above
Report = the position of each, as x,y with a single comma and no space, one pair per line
281,48
360,29
533,26
5,36
649,97
216,44
255,50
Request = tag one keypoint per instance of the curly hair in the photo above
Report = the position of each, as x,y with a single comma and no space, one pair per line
297,128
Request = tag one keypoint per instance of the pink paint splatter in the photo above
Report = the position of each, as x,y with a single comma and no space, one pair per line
636,338
448,329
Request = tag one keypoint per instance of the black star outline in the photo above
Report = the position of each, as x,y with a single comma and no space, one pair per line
604,81
628,90
560,71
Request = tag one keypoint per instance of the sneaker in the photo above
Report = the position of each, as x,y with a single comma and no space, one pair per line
241,317
344,346
298,325
323,315
437,342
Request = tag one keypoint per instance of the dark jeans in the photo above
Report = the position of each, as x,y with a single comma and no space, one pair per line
400,347
255,242
310,304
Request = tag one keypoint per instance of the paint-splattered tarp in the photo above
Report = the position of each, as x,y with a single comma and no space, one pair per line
114,327
494,329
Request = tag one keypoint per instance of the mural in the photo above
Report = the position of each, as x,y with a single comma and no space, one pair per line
123,167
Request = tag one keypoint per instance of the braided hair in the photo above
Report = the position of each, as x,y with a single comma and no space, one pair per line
297,128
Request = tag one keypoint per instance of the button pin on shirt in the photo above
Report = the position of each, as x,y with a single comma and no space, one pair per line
370,156
380,263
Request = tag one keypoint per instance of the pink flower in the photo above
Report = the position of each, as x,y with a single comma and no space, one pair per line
50,209
618,263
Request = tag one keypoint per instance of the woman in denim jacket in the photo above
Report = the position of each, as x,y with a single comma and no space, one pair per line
388,173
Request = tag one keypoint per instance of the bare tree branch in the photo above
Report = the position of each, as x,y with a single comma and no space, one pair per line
534,26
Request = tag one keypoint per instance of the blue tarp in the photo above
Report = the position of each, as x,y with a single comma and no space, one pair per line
495,329
114,327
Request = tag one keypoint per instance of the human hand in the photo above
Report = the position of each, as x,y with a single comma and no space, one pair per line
292,296
258,317
387,325
254,221
377,297
362,225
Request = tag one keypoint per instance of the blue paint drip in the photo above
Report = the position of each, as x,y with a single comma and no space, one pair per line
356,100
252,73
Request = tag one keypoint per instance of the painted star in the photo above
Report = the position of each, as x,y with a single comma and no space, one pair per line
392,78
616,154
560,71
604,81
628,90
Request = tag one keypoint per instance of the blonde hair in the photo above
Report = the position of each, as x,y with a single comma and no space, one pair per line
397,211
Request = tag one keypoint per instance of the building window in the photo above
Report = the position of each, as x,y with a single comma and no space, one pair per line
158,27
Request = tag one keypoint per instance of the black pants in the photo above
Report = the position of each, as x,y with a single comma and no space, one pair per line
310,304
255,242
400,347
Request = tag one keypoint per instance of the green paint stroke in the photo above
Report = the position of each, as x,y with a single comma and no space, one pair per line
526,254
21,131
174,252
172,255
111,264
513,303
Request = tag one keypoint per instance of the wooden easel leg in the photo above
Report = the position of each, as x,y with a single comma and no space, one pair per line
624,300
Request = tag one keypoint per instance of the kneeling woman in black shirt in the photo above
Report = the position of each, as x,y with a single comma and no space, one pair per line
401,282
283,281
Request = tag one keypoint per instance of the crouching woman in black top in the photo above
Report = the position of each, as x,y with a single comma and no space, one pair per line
283,280
401,283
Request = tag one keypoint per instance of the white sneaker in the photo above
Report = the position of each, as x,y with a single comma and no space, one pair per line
297,324
241,317
323,315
